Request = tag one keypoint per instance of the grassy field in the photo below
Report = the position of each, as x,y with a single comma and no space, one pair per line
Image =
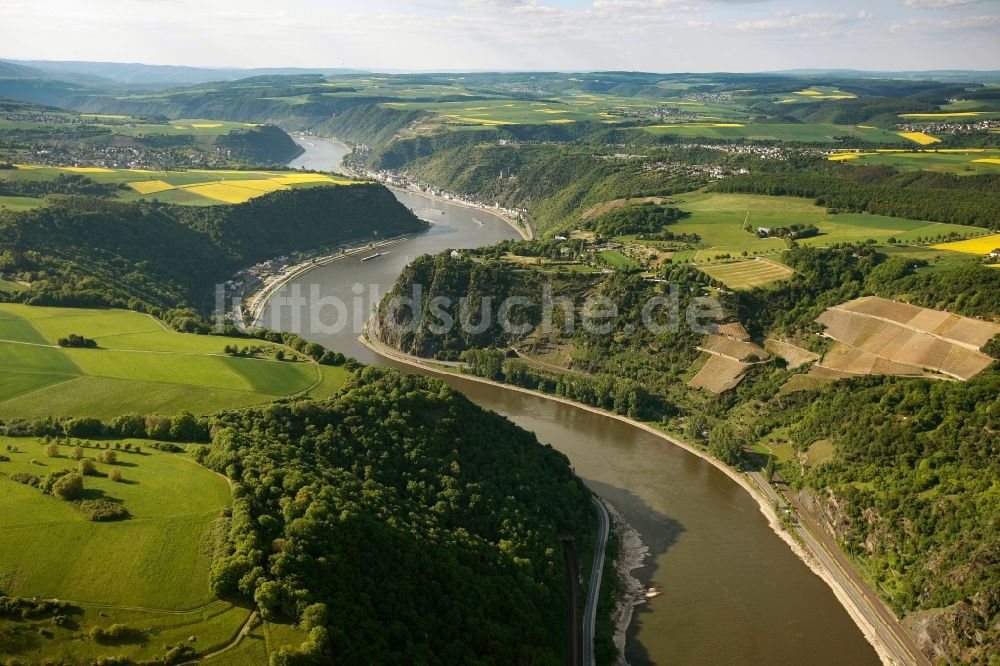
818,133
191,187
961,162
153,559
748,274
567,107
617,259
937,260
149,571
20,203
723,221
813,94
139,367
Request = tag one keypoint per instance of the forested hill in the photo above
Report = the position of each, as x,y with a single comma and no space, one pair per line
399,523
264,144
84,251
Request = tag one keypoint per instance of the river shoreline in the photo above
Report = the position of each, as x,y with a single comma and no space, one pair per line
527,231
744,481
632,553
257,303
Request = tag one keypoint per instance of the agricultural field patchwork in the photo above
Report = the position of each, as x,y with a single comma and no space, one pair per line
138,367
190,187
960,161
726,223
815,132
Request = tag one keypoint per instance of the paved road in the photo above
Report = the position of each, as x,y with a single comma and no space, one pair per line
901,646
594,591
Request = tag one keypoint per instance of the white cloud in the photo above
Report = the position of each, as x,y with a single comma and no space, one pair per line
965,24
657,35
786,20
938,4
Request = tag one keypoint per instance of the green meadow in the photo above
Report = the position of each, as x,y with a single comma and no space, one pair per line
149,571
811,133
139,367
20,203
158,547
972,162
723,221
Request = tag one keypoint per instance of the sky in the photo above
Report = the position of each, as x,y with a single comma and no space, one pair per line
393,35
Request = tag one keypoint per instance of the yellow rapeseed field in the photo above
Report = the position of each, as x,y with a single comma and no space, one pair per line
225,192
846,156
988,160
263,184
983,245
150,186
919,137
206,125
942,114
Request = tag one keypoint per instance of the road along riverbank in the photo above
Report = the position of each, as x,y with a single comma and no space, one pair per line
854,601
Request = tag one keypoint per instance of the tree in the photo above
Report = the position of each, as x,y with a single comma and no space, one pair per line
697,424
52,450
184,428
87,467
279,355
115,475
76,453
68,487
724,443
108,457
769,468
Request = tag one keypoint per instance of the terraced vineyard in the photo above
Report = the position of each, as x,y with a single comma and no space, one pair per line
729,357
878,336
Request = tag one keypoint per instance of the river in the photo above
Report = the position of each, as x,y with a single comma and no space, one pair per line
733,592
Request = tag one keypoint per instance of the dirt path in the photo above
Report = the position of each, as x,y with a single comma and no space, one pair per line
244,630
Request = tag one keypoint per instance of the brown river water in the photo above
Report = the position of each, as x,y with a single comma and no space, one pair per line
733,591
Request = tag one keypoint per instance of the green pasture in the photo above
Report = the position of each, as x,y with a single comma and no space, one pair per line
507,111
810,133
138,367
212,627
812,94
723,221
937,260
617,259
20,203
961,163
152,559
149,571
